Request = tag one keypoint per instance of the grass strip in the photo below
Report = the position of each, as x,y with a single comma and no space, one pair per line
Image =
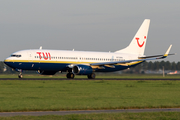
42,95
104,116
107,75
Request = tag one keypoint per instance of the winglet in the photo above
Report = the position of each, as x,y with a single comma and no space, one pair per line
167,52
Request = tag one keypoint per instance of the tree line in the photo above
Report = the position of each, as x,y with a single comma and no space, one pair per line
154,66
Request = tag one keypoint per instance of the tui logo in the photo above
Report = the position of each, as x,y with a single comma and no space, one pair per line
140,45
45,55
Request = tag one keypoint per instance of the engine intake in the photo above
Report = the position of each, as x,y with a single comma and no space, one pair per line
82,70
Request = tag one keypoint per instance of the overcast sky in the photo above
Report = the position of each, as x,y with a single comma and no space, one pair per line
90,25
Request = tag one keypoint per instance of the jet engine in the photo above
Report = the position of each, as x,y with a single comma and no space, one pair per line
82,70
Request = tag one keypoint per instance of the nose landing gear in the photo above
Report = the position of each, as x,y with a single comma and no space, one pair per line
20,75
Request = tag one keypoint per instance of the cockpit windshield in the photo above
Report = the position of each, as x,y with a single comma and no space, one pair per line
13,55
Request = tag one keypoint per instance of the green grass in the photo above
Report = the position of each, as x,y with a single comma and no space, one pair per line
98,75
103,116
18,95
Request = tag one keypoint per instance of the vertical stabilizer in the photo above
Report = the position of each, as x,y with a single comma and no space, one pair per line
137,45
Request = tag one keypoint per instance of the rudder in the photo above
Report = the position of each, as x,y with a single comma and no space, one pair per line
138,43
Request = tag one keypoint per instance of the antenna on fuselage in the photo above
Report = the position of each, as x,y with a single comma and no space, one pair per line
40,48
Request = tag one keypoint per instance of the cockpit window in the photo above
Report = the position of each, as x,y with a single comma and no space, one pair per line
13,55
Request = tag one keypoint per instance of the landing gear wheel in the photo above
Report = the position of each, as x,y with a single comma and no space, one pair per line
91,76
20,75
70,75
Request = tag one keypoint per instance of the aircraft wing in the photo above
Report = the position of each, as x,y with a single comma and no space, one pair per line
137,60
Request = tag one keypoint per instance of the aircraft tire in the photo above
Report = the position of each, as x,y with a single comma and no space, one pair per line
91,76
20,75
70,75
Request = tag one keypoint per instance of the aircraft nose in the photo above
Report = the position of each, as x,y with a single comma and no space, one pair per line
7,61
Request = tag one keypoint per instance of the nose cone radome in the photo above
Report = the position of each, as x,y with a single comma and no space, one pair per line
8,61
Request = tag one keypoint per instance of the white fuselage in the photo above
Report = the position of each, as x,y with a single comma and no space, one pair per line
39,59
63,56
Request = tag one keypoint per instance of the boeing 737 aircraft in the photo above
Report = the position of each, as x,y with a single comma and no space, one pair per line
49,62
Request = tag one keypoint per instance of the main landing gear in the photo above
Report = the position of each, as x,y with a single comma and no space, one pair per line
91,76
70,75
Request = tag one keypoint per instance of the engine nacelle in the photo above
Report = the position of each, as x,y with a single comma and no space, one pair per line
82,70
42,72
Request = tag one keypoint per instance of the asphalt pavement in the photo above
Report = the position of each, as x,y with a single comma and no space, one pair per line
41,113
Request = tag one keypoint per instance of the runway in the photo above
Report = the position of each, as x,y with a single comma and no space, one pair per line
41,113
90,79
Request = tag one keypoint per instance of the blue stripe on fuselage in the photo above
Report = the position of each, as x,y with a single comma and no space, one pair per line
37,66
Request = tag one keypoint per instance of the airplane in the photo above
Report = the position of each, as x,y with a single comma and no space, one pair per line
172,73
49,62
